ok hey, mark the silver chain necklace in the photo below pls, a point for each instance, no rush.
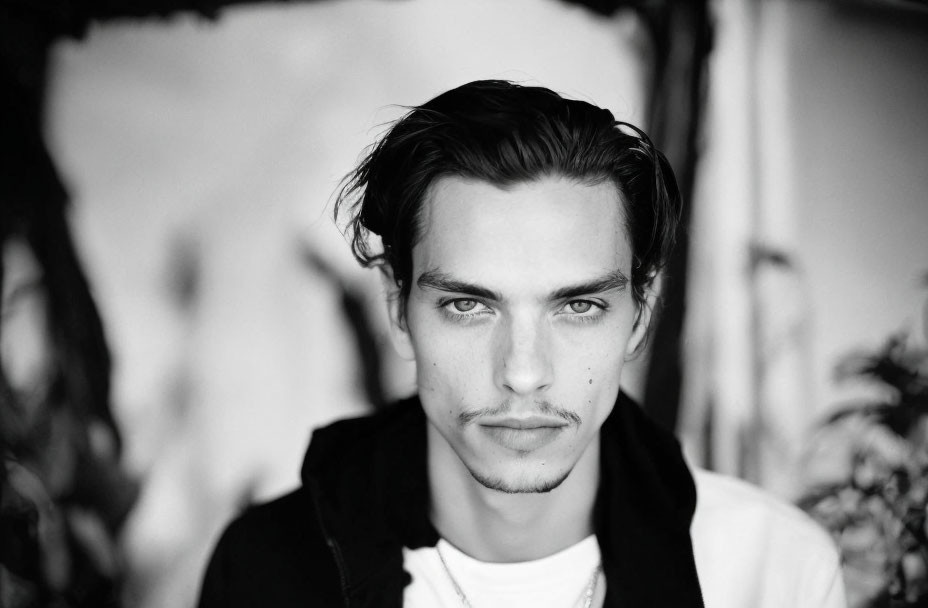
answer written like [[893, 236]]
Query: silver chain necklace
[[588, 592]]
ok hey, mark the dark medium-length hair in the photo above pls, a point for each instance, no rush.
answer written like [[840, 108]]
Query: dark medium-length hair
[[504, 133]]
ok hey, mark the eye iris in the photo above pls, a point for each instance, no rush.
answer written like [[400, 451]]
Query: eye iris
[[464, 305], [580, 307]]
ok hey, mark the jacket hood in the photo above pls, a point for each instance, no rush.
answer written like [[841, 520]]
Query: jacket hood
[[369, 482]]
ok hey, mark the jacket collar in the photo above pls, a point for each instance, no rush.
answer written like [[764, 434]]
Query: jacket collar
[[369, 481]]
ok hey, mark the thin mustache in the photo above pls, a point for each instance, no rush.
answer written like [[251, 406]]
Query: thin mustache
[[545, 407]]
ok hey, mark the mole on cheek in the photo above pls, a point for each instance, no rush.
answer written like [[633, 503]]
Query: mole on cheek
[[591, 381]]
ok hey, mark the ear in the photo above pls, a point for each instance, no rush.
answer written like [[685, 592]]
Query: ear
[[399, 331], [642, 323]]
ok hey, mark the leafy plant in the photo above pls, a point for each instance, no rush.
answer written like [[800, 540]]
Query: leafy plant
[[872, 490]]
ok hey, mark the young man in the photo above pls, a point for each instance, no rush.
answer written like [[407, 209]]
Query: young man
[[521, 234]]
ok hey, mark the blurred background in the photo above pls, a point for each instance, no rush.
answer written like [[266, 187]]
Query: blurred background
[[180, 311]]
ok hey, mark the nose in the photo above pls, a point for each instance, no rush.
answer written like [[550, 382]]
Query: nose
[[523, 364]]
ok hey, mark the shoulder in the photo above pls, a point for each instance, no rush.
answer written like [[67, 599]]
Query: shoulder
[[272, 554], [350, 442], [726, 506], [721, 496], [279, 524], [753, 545]]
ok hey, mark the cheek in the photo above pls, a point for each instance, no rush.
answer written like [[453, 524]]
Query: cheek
[[447, 362], [594, 364]]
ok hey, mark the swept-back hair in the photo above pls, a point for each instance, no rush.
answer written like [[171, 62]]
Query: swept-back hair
[[504, 133]]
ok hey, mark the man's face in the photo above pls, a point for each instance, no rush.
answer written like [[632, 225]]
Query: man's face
[[520, 317]]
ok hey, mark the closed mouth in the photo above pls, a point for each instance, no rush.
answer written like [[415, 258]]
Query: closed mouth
[[525, 423]]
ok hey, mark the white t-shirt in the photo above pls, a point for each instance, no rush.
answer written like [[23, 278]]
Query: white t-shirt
[[751, 549], [556, 581], [754, 550]]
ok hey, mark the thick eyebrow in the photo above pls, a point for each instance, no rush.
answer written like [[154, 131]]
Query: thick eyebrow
[[435, 279], [609, 282]]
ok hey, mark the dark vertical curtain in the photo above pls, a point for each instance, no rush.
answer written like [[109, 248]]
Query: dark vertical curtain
[[682, 36]]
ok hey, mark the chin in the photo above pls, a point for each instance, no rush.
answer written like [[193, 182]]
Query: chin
[[520, 484]]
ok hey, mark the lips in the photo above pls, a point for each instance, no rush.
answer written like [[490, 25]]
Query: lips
[[523, 434], [533, 421]]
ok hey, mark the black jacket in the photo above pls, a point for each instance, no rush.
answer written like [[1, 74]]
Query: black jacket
[[337, 541]]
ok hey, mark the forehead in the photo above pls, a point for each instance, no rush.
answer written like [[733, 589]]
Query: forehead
[[543, 232]]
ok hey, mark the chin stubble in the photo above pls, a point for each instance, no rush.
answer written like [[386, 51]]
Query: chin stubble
[[537, 486]]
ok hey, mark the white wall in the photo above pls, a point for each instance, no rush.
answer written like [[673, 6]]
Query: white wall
[[859, 143]]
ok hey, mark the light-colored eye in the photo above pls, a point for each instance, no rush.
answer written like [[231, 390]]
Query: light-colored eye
[[464, 305], [580, 306]]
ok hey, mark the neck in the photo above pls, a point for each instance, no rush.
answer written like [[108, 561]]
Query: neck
[[494, 526]]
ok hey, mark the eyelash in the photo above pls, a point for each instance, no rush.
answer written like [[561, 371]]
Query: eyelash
[[465, 317], [593, 315], [446, 307]]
